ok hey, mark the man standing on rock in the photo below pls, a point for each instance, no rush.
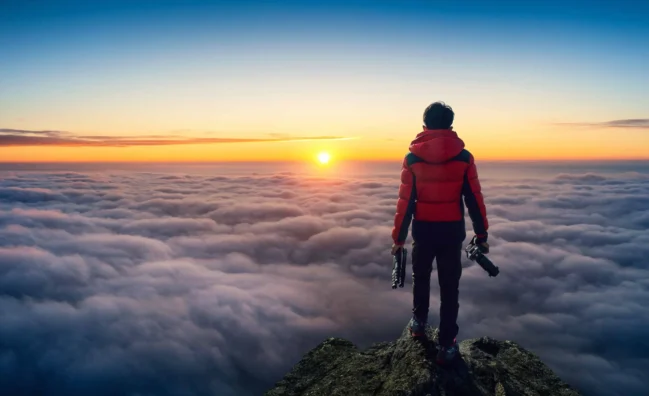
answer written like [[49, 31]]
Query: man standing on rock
[[436, 174]]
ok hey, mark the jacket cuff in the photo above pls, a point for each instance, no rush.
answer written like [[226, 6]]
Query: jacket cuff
[[481, 238]]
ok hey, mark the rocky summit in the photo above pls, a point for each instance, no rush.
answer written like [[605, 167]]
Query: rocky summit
[[407, 367]]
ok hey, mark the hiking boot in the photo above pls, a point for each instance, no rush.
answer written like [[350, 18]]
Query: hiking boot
[[447, 354], [417, 327]]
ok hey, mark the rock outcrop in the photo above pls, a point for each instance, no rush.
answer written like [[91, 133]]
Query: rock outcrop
[[407, 367]]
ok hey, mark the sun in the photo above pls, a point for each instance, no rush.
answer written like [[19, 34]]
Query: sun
[[324, 158]]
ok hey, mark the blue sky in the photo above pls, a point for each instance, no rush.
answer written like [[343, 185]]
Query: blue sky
[[135, 67]]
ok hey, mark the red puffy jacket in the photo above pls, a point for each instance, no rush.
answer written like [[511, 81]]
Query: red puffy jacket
[[435, 175]]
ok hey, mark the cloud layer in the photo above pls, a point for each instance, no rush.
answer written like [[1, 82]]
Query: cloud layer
[[187, 284]]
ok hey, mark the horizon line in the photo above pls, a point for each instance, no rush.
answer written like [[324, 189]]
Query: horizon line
[[604, 159]]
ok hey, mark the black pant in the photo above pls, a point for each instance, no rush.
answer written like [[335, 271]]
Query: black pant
[[448, 253]]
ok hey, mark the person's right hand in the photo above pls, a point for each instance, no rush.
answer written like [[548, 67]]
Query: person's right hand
[[481, 242]]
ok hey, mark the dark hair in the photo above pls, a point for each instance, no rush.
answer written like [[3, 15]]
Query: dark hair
[[438, 115]]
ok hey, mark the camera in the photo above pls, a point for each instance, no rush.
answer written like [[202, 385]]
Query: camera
[[474, 254], [399, 260]]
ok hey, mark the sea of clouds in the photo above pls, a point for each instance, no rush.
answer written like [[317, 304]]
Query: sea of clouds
[[141, 283]]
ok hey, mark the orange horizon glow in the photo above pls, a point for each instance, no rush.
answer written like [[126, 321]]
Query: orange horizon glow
[[90, 155], [540, 143]]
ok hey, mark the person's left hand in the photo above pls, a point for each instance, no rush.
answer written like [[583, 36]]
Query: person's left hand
[[396, 248]]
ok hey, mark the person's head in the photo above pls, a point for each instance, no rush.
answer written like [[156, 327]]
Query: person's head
[[438, 115]]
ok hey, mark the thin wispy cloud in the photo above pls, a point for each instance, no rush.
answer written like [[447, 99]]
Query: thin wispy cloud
[[23, 131], [20, 137], [637, 123]]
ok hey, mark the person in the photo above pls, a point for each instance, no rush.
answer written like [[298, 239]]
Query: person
[[435, 175]]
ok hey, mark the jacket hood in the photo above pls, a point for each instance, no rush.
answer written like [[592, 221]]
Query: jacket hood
[[436, 145]]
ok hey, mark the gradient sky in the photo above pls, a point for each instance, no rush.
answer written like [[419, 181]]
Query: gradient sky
[[260, 80]]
